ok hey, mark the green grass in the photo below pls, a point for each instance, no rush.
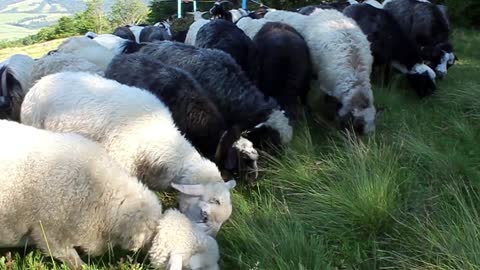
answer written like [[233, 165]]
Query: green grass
[[406, 198], [13, 32], [35, 51]]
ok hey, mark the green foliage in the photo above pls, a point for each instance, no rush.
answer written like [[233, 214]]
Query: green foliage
[[128, 12]]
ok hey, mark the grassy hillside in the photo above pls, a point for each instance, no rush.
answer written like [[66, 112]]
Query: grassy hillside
[[35, 51], [406, 198]]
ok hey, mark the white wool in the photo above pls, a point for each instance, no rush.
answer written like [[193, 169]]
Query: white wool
[[352, 2], [277, 120], [88, 49], [182, 245], [251, 26], [136, 129], [65, 189], [341, 57], [136, 30], [417, 69], [193, 30]]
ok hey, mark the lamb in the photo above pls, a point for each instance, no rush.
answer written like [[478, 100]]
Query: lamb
[[391, 46], [15, 74], [190, 247], [226, 36], [342, 61], [239, 101], [137, 130], [107, 205], [427, 24], [196, 116]]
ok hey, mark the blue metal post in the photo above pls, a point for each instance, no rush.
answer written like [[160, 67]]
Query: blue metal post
[[194, 5], [244, 4], [179, 8]]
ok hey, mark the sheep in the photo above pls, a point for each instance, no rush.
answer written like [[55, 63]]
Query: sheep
[[342, 61], [251, 26], [21, 72], [137, 130], [196, 116], [193, 30], [284, 64], [183, 244], [89, 50], [113, 43], [95, 201], [239, 101], [124, 32], [226, 36], [427, 24], [391, 46], [15, 77], [155, 33], [224, 10]]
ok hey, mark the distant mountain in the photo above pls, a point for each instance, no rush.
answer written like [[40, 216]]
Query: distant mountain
[[19, 18]]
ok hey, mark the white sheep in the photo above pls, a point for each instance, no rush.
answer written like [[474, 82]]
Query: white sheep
[[183, 244], [251, 26], [88, 49], [342, 60], [15, 79], [62, 191], [137, 129]]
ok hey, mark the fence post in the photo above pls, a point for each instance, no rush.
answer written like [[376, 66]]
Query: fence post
[[244, 4], [194, 5], [179, 8]]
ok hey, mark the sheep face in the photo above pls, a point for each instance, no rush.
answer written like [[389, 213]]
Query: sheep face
[[440, 58], [207, 204], [359, 113]]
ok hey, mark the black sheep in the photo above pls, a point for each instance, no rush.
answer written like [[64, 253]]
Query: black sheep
[[226, 36], [285, 69], [124, 32]]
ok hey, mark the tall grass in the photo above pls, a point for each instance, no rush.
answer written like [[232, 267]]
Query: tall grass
[[406, 198]]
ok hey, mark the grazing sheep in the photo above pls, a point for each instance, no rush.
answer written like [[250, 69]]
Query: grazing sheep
[[427, 24], [391, 46], [285, 70], [124, 32], [196, 116], [341, 59], [183, 244], [226, 36], [137, 130], [239, 101], [15, 79], [66, 189]]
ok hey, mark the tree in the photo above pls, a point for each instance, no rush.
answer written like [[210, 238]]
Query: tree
[[128, 12], [93, 18]]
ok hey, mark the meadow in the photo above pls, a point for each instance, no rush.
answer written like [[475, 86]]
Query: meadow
[[406, 198]]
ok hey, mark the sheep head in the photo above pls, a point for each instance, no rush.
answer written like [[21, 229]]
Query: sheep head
[[208, 204]]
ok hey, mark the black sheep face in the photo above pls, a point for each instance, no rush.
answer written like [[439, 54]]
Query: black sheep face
[[440, 58]]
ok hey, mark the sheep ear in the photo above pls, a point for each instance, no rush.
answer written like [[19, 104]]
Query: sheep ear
[[223, 152], [192, 190], [175, 262], [231, 184]]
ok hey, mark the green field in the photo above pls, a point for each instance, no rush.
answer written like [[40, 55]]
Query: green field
[[406, 198], [12, 32]]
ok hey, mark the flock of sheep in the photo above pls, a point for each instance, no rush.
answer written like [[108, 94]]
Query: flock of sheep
[[106, 120]]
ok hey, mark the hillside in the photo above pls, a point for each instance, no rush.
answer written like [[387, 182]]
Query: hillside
[[19, 18]]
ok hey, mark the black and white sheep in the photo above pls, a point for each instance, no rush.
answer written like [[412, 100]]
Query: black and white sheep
[[196, 116], [61, 191], [226, 36], [427, 24], [390, 45], [138, 131], [238, 99], [124, 32], [342, 62]]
